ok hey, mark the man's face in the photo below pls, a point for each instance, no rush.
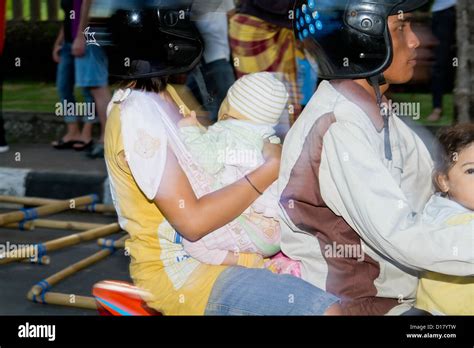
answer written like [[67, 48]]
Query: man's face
[[404, 43]]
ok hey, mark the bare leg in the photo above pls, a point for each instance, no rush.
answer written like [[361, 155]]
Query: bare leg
[[435, 115], [102, 97], [73, 133], [86, 134]]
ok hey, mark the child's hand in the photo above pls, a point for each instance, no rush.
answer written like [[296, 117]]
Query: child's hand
[[190, 121]]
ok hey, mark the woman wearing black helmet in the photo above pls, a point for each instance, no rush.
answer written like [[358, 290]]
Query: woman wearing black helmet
[[358, 232], [159, 190]]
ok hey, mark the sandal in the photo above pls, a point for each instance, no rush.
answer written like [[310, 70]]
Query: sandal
[[65, 145]]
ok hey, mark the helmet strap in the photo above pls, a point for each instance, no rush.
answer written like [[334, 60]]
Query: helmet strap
[[375, 81]]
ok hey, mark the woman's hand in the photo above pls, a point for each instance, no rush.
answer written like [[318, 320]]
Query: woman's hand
[[79, 46], [272, 157], [271, 152], [190, 121], [56, 49], [58, 44]]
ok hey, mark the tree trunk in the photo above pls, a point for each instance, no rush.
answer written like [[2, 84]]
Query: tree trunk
[[17, 10], [464, 92], [52, 10], [35, 10]]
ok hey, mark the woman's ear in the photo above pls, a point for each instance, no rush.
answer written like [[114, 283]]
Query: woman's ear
[[442, 182]]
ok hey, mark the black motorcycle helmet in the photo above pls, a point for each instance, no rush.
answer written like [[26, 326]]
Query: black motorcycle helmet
[[349, 39], [146, 38]]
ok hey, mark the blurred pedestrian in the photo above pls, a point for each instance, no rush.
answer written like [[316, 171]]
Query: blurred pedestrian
[[262, 40], [65, 82], [215, 75], [444, 28], [91, 70]]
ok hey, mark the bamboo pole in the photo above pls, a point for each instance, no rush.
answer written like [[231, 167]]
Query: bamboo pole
[[54, 224], [44, 260], [69, 300], [107, 243], [63, 242], [27, 226], [35, 201], [73, 269], [49, 209]]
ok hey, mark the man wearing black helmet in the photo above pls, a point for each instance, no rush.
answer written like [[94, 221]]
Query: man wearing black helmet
[[354, 177]]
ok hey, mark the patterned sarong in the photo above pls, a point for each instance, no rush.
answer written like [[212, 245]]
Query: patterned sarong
[[260, 46]]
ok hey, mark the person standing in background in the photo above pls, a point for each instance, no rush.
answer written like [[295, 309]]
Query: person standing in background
[[65, 81], [262, 40], [444, 28], [3, 143], [215, 75], [91, 71]]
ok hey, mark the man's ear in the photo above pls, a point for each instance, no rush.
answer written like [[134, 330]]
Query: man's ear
[[442, 182]]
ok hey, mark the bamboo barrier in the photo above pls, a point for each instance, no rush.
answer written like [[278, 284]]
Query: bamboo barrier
[[68, 300], [61, 243], [35, 201], [73, 269], [54, 224], [53, 208], [40, 293]]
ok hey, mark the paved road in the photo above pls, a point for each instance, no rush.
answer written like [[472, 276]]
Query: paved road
[[42, 157], [16, 279]]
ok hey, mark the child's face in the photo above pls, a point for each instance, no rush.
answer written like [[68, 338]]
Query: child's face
[[459, 183]]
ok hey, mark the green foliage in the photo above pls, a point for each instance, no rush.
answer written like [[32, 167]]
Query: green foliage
[[26, 10]]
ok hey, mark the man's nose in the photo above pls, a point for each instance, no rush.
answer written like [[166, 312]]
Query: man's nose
[[413, 40]]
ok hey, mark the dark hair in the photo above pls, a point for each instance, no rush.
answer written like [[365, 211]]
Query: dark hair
[[154, 84], [451, 141]]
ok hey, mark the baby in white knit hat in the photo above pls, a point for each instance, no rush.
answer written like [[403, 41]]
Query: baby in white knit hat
[[232, 148]]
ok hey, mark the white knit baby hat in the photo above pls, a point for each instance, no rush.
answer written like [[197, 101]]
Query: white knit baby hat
[[260, 97]]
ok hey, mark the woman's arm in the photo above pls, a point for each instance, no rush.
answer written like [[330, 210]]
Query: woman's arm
[[194, 218]]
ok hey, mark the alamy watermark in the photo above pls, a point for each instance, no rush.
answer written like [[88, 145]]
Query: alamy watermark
[[405, 109], [90, 37], [344, 251], [28, 330], [247, 158], [69, 109], [19, 251]]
